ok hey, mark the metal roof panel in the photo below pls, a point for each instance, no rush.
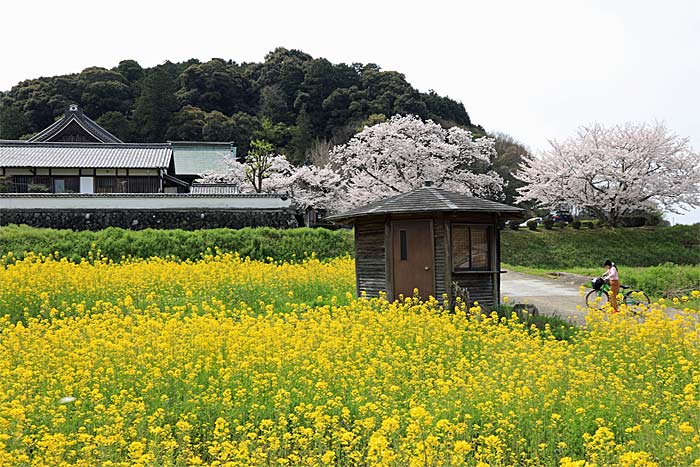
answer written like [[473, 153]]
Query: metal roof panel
[[201, 158]]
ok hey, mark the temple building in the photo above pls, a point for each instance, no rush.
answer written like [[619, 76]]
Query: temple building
[[77, 155]]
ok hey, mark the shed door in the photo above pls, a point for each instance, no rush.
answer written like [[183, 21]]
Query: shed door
[[412, 251]]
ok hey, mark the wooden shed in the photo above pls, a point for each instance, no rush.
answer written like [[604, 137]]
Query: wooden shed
[[428, 239]]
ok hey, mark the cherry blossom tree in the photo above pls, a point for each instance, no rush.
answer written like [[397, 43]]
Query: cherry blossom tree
[[316, 187], [401, 154], [262, 172], [383, 160], [263, 165], [234, 175], [310, 186], [614, 172]]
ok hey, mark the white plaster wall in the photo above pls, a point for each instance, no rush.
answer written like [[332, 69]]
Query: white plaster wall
[[146, 201]]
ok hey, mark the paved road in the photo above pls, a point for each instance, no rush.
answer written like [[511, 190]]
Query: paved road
[[556, 296]]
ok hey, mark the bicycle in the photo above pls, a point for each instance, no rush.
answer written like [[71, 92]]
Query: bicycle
[[600, 294]]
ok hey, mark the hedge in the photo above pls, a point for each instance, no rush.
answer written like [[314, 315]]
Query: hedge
[[558, 249], [115, 243]]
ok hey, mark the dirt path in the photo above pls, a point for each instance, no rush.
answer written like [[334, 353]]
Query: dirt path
[[555, 297]]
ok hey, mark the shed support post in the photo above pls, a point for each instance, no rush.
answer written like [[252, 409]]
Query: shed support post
[[448, 263], [357, 271], [496, 258], [389, 255]]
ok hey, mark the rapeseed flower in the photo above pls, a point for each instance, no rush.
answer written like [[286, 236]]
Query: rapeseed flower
[[232, 362]]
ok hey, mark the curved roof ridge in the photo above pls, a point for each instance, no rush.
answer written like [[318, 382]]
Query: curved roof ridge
[[98, 128], [48, 130], [74, 114]]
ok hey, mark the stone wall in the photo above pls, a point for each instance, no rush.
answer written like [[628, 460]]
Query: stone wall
[[75, 219]]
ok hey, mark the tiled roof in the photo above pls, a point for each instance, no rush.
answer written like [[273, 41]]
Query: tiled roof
[[215, 188], [84, 155], [139, 195], [197, 158], [74, 114], [426, 199]]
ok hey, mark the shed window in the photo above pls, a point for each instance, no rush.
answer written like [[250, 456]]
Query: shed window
[[404, 246], [470, 247]]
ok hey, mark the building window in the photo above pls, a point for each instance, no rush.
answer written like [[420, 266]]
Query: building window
[[41, 183], [21, 183], [66, 184], [121, 185], [59, 185], [105, 184], [470, 247], [143, 184]]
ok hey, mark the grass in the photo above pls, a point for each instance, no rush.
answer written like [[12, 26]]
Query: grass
[[633, 247], [555, 326]]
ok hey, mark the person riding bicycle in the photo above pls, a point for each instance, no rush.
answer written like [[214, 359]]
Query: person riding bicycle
[[613, 279]]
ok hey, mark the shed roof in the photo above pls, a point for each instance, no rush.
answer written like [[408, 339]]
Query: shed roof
[[427, 199], [84, 155], [197, 158], [75, 115]]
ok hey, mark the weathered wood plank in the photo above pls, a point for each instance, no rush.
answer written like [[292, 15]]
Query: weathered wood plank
[[370, 257], [480, 286]]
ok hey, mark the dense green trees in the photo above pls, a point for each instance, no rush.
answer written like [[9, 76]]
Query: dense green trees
[[509, 155], [155, 106], [13, 123], [290, 99], [102, 91], [217, 85], [117, 124]]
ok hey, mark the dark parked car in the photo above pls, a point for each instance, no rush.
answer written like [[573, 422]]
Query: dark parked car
[[560, 216]]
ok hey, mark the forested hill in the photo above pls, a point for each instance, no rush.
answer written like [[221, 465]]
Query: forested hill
[[290, 99]]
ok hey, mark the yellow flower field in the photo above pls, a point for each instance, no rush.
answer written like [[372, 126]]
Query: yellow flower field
[[48, 286], [177, 365]]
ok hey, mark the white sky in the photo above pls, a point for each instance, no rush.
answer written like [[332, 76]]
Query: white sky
[[533, 69]]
